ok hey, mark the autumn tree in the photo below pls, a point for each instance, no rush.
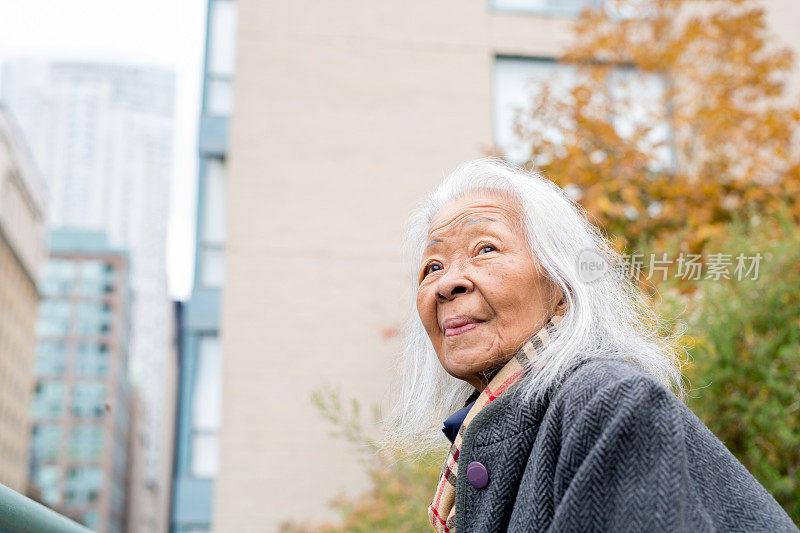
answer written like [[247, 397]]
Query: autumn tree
[[678, 120]]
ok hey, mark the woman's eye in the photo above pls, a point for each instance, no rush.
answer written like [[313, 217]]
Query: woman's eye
[[432, 267], [486, 248]]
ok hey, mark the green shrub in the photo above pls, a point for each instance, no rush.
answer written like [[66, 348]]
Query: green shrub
[[745, 376]]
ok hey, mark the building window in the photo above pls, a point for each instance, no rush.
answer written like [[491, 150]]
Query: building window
[[206, 408], [214, 202], [47, 478], [219, 97], [94, 318], [213, 266], [46, 443], [222, 38], [83, 485], [88, 399], [51, 358], [516, 81], [212, 258], [86, 442], [91, 360], [58, 277], [552, 8], [48, 399], [54, 318], [205, 459], [221, 57], [97, 278]]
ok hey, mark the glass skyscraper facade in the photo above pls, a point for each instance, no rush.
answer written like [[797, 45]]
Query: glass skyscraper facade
[[81, 406]]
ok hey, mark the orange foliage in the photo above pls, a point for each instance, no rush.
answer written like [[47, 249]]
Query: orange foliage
[[720, 142]]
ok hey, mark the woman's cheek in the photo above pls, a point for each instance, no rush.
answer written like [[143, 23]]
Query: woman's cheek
[[425, 309]]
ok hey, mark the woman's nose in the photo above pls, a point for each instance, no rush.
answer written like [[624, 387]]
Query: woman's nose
[[452, 283]]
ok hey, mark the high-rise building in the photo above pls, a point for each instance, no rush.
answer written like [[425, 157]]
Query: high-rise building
[[196, 440], [82, 404], [102, 137], [22, 244], [346, 115]]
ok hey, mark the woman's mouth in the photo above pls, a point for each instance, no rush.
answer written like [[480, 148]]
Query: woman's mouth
[[458, 325]]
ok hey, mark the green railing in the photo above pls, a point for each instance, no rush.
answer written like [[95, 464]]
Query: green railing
[[19, 514]]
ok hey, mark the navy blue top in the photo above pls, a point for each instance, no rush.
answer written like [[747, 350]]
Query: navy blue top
[[454, 421]]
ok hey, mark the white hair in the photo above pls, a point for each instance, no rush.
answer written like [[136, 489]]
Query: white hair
[[605, 318]]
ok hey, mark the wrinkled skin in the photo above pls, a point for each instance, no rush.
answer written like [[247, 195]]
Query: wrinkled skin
[[481, 292]]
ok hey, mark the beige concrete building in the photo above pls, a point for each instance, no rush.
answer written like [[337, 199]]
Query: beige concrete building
[[22, 239], [345, 115]]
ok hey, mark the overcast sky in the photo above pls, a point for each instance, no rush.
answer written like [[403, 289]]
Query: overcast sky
[[167, 33]]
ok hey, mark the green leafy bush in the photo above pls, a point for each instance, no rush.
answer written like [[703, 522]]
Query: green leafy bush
[[745, 376]]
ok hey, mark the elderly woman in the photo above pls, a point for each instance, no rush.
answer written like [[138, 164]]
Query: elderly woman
[[555, 385]]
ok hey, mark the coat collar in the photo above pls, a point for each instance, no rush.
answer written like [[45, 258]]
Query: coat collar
[[453, 423]]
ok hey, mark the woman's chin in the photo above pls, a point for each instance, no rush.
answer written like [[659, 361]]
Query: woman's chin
[[465, 365]]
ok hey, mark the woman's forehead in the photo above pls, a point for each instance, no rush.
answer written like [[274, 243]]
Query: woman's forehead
[[476, 206]]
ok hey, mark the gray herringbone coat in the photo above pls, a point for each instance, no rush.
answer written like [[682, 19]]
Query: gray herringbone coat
[[613, 450]]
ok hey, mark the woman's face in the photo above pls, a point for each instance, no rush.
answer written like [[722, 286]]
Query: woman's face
[[480, 295]]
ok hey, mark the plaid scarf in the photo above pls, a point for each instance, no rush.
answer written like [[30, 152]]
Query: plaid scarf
[[442, 510]]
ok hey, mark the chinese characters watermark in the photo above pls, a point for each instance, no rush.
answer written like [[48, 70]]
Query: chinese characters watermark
[[593, 265]]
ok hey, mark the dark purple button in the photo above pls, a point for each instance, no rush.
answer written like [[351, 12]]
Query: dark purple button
[[477, 475]]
